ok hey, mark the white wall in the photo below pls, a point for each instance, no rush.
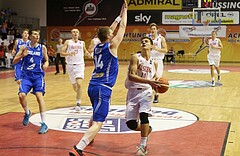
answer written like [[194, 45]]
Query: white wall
[[28, 8]]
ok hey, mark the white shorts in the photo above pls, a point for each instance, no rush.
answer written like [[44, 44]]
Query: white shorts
[[75, 71], [214, 60], [160, 67], [138, 101]]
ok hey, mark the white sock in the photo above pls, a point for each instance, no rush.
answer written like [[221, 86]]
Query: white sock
[[43, 116], [213, 78], [143, 141], [26, 110], [79, 101], [83, 143]]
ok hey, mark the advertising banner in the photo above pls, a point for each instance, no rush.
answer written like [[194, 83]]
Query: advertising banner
[[144, 17], [177, 18], [82, 12], [225, 5], [154, 5], [227, 17], [201, 31]]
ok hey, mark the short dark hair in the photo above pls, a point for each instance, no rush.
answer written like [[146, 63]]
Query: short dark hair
[[103, 33], [146, 37], [31, 31]]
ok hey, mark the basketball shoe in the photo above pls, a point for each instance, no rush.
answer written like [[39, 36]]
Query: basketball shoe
[[75, 152], [78, 107], [141, 151], [26, 118], [213, 83], [43, 128]]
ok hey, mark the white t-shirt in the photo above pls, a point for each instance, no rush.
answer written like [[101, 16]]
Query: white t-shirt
[[158, 42], [59, 48], [215, 42], [146, 69], [76, 47]]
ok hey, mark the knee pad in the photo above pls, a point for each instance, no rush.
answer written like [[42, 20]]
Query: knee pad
[[144, 118], [132, 124]]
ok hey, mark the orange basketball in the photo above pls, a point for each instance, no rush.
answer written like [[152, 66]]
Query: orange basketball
[[164, 85], [162, 31]]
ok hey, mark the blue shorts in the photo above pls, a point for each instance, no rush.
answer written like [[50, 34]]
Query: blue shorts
[[18, 70], [32, 81], [100, 99]]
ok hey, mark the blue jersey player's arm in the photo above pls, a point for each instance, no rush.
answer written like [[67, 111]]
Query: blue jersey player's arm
[[14, 50], [117, 39], [22, 53], [45, 55]]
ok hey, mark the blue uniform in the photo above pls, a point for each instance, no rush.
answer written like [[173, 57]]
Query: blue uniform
[[18, 66], [103, 79], [32, 72]]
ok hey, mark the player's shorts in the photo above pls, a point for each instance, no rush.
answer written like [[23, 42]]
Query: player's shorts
[[138, 101], [100, 98], [18, 70], [75, 71], [160, 67], [214, 60], [32, 81]]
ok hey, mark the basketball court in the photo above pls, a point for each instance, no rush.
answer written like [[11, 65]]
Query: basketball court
[[188, 121], [191, 119]]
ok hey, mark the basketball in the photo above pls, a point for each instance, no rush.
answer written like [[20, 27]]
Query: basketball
[[164, 85], [162, 31], [206, 40]]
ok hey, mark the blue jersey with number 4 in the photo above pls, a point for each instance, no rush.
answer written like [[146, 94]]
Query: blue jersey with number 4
[[106, 66], [33, 61]]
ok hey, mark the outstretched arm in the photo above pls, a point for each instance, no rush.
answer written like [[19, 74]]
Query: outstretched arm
[[120, 33], [116, 21]]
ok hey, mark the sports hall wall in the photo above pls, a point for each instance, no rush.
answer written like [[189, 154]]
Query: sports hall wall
[[87, 16]]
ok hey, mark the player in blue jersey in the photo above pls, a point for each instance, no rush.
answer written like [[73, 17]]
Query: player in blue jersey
[[18, 43], [34, 61], [103, 78]]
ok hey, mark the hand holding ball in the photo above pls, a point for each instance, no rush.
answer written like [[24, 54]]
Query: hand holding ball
[[164, 85]]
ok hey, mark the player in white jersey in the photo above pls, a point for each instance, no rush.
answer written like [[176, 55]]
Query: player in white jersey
[[158, 51], [214, 55], [74, 50], [140, 84]]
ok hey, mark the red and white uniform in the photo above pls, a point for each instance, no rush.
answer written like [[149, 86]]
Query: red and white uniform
[[158, 56], [139, 96], [75, 64], [214, 54]]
